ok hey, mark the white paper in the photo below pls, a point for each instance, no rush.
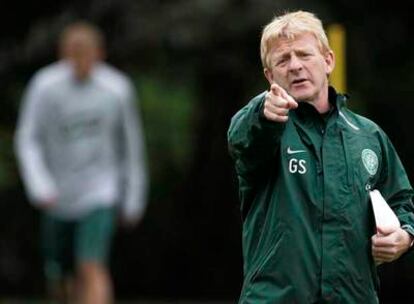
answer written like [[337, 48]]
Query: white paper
[[385, 218]]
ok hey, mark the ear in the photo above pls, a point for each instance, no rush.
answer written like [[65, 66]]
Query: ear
[[329, 61], [269, 75]]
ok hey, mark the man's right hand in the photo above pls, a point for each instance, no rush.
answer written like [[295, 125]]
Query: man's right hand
[[278, 103], [47, 203]]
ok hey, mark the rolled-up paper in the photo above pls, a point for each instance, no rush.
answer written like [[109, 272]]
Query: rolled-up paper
[[385, 218]]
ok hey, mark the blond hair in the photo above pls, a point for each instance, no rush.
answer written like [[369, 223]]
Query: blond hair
[[289, 26]]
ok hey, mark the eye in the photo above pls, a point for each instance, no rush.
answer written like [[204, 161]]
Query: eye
[[305, 55], [281, 61]]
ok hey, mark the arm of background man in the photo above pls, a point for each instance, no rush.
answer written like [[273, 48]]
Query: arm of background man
[[135, 199], [38, 181], [395, 187]]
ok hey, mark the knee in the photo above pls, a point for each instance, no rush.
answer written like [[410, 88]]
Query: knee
[[91, 270]]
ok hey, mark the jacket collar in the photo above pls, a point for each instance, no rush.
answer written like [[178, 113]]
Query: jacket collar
[[337, 101]]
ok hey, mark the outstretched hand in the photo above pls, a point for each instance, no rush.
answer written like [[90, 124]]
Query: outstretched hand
[[278, 103]]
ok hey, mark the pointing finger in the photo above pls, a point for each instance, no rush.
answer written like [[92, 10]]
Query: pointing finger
[[277, 100], [279, 91], [276, 89], [292, 104]]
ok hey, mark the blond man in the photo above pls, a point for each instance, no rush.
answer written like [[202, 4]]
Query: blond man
[[305, 165]]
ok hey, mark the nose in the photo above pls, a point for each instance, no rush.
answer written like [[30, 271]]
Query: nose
[[294, 63]]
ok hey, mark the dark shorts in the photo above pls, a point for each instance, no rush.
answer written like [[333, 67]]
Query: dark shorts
[[65, 244]]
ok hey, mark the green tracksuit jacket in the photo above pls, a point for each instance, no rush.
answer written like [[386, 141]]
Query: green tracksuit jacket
[[307, 218]]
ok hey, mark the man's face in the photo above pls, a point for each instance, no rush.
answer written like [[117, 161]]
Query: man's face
[[83, 53], [299, 67]]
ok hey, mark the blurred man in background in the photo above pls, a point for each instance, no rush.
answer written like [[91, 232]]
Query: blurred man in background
[[305, 165], [81, 156]]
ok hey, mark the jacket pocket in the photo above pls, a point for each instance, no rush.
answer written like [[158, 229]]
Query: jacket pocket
[[250, 282]]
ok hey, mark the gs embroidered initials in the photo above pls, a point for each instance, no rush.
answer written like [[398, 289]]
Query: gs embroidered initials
[[298, 166]]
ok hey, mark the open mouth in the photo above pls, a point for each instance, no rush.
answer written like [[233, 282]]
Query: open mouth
[[299, 81]]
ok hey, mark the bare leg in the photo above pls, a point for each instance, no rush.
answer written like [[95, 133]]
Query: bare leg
[[61, 291], [56, 292], [94, 283]]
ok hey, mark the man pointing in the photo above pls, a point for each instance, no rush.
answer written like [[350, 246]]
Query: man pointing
[[305, 165]]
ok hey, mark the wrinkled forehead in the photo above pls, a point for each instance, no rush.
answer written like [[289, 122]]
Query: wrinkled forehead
[[282, 42]]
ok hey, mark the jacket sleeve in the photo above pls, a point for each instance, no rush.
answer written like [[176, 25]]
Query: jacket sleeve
[[39, 183], [395, 186], [135, 168], [252, 139]]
